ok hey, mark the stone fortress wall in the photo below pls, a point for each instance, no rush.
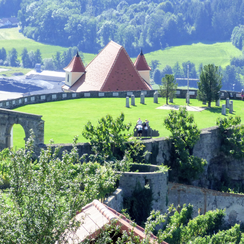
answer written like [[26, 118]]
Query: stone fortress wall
[[52, 97], [208, 147]]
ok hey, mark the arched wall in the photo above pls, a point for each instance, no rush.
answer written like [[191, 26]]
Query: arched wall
[[28, 121]]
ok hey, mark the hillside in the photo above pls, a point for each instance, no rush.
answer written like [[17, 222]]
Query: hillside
[[216, 53], [10, 37]]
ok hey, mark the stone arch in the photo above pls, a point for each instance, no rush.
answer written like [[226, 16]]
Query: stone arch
[[28, 121]]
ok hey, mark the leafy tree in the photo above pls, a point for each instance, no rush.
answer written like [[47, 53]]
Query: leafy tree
[[45, 194], [109, 137], [13, 58], [185, 134], [154, 65], [157, 77], [26, 62], [237, 37], [3, 54], [177, 71], [167, 70], [210, 84], [168, 87], [232, 136], [38, 57], [192, 69], [231, 79], [48, 64]]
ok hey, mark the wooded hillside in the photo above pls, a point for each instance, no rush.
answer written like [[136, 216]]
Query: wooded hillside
[[135, 24]]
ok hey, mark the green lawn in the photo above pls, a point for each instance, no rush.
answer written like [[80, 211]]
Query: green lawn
[[65, 119], [217, 53], [10, 37]]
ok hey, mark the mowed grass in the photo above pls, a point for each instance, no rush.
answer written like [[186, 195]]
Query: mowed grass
[[11, 38], [65, 119], [217, 53]]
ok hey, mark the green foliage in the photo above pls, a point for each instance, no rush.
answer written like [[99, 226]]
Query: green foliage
[[232, 136], [202, 225], [4, 168], [173, 230], [168, 87], [45, 194], [108, 136], [139, 205], [237, 37], [210, 84], [185, 134], [233, 235]]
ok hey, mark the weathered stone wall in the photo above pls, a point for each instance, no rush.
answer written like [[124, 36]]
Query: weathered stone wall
[[115, 201], [28, 121], [204, 200], [42, 98], [157, 181]]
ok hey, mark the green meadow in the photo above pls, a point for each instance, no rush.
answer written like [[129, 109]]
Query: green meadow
[[217, 53], [10, 37], [65, 119]]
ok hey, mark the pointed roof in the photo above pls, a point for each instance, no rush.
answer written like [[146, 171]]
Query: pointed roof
[[76, 64], [141, 63], [111, 70]]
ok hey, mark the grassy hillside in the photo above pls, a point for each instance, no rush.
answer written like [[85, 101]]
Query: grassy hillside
[[217, 53], [65, 119], [10, 37]]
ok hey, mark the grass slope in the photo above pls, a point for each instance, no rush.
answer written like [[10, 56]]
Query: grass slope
[[65, 119], [217, 53], [10, 37]]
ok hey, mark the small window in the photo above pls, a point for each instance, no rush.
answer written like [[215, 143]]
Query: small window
[[68, 78]]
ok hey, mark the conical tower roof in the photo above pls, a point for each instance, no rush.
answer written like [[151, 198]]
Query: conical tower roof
[[141, 63], [75, 65]]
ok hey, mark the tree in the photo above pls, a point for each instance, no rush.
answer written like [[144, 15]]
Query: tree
[[26, 62], [157, 76], [13, 58], [210, 84], [168, 87], [185, 167], [177, 71], [109, 135], [3, 54], [38, 57], [46, 193], [48, 64]]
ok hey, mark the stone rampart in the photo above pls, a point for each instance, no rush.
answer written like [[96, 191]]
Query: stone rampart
[[204, 200], [115, 200], [52, 97], [152, 176]]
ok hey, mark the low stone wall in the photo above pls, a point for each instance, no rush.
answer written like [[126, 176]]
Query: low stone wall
[[52, 97], [157, 181], [115, 201], [204, 200]]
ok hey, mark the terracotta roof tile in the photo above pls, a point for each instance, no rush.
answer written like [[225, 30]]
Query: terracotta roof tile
[[94, 216], [75, 65], [111, 70], [141, 63]]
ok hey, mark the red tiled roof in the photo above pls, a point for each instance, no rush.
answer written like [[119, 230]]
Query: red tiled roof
[[76, 65], [141, 63], [111, 70], [94, 216]]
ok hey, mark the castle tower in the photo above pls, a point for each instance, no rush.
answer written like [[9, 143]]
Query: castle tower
[[142, 67], [74, 70]]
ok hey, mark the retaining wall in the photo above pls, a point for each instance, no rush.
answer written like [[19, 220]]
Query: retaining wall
[[204, 200], [52, 97]]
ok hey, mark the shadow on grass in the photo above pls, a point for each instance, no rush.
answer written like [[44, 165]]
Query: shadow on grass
[[219, 110]]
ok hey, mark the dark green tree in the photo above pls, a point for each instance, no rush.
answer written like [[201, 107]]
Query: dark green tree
[[168, 87], [210, 84], [13, 58], [157, 77], [3, 54], [185, 167], [38, 56], [177, 71], [26, 62]]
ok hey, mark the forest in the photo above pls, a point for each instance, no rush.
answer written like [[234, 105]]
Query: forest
[[135, 24]]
